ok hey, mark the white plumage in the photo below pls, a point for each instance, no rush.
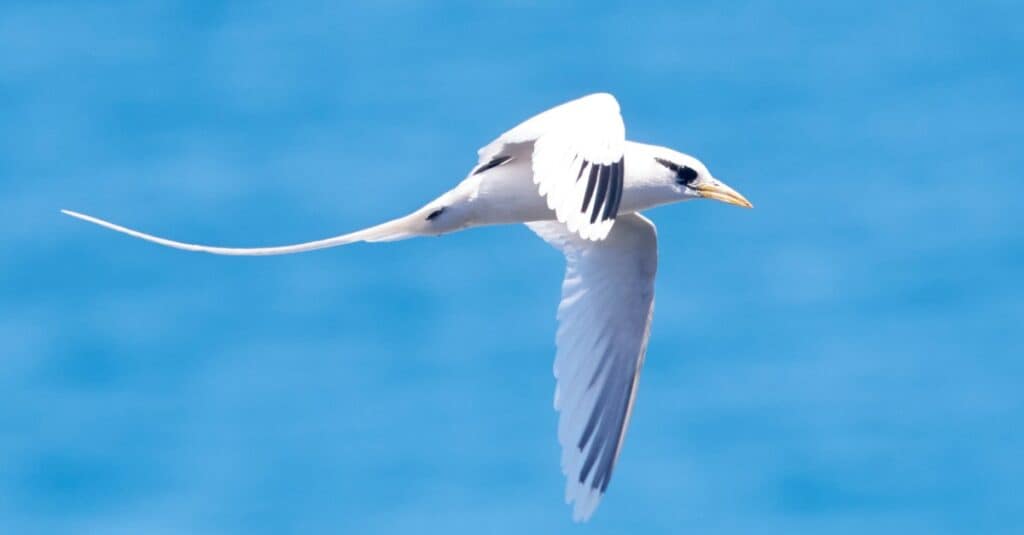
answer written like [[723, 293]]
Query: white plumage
[[573, 178]]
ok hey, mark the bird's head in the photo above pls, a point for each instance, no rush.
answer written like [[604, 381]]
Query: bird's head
[[691, 179]]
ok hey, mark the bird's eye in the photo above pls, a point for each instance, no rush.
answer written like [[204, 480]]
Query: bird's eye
[[686, 175]]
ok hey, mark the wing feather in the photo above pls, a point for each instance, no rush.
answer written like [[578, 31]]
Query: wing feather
[[581, 139], [604, 323]]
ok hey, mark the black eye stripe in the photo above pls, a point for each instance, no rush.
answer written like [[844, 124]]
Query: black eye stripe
[[684, 174], [671, 166]]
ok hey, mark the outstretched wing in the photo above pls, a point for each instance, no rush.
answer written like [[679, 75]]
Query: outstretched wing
[[604, 322], [576, 152]]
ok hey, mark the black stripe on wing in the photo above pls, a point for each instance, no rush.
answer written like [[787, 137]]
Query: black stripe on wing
[[495, 162], [599, 441], [590, 187], [604, 188]]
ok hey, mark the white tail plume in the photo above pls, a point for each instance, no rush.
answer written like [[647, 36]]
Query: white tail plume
[[397, 229]]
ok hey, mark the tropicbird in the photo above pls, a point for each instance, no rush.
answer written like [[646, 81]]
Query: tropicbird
[[572, 177]]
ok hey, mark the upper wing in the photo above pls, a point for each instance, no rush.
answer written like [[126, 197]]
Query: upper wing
[[604, 323], [577, 160]]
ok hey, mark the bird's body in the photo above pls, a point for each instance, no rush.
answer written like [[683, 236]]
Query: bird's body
[[572, 177], [506, 193]]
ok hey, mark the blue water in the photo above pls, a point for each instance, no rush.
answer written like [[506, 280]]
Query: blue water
[[845, 358]]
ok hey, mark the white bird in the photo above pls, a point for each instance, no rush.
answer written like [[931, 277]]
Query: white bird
[[572, 177]]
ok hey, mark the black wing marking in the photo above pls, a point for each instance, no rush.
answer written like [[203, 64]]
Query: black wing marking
[[604, 187], [495, 162], [433, 215], [603, 184], [591, 182], [603, 426], [611, 208]]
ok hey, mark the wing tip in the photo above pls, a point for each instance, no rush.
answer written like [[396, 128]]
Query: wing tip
[[584, 501], [584, 496]]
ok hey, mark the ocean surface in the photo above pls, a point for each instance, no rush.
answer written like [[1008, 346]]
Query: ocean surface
[[845, 358]]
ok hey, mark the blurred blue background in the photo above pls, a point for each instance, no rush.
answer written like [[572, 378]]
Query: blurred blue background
[[845, 358]]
